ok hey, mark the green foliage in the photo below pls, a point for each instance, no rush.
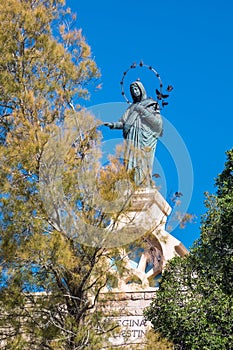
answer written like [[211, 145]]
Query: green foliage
[[194, 306], [154, 341]]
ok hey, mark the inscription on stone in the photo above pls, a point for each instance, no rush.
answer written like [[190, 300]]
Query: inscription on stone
[[133, 329]]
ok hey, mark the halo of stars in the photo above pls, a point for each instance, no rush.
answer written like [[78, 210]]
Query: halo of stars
[[159, 92]]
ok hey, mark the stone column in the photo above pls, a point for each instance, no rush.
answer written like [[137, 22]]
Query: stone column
[[148, 212]]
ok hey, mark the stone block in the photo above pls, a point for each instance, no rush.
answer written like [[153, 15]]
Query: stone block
[[137, 296], [149, 295]]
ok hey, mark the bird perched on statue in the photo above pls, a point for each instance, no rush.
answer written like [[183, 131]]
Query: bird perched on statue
[[160, 96], [170, 88]]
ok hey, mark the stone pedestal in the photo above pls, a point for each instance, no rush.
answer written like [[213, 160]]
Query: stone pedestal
[[144, 262]]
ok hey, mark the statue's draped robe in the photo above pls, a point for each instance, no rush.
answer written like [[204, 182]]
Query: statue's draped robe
[[141, 130]]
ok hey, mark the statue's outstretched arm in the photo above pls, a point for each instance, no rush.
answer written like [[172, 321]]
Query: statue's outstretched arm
[[120, 123], [117, 125]]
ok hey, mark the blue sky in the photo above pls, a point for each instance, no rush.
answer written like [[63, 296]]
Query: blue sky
[[190, 44]]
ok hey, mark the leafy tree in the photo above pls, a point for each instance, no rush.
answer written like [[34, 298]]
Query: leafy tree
[[154, 341], [50, 282], [194, 306]]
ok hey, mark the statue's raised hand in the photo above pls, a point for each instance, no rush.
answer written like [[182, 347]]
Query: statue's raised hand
[[110, 125]]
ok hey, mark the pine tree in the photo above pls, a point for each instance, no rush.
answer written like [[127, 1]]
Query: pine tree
[[50, 282]]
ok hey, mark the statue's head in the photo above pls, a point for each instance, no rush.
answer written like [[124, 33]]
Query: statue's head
[[137, 91]]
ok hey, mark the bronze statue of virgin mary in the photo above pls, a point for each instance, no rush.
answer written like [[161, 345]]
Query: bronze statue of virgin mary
[[142, 125]]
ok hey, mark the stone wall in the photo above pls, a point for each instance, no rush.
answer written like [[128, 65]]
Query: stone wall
[[129, 306]]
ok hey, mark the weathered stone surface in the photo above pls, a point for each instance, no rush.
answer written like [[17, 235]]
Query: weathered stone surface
[[137, 296], [148, 210], [149, 295]]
